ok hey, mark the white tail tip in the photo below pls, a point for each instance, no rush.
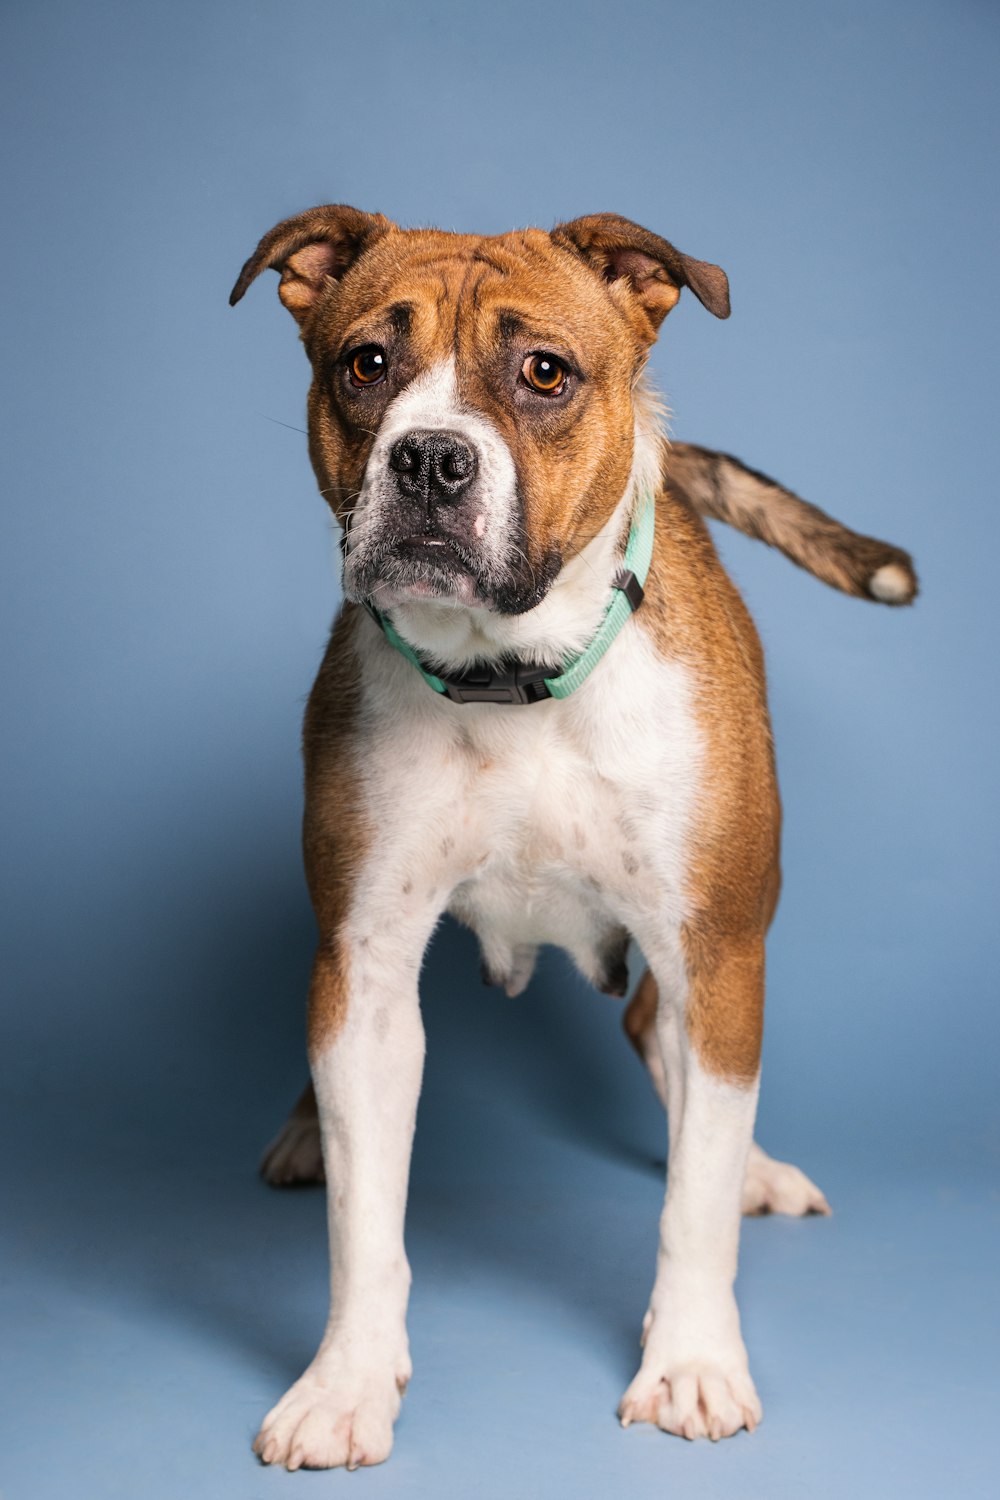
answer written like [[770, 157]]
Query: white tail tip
[[891, 584]]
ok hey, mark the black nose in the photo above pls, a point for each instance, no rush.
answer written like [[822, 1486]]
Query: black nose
[[433, 466]]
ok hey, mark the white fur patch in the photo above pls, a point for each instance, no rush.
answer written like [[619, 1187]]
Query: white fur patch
[[891, 584]]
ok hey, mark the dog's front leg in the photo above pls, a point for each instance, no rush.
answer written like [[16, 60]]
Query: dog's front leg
[[366, 1053], [694, 1379]]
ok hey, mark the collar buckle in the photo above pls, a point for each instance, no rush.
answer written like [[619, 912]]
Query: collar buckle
[[510, 682], [629, 585]]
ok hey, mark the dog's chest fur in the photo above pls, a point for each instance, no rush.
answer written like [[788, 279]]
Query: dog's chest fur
[[565, 823]]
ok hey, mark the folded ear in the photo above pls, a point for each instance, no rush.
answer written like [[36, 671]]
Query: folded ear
[[308, 250], [650, 267]]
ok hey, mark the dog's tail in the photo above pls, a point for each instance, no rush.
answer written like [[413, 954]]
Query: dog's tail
[[719, 486]]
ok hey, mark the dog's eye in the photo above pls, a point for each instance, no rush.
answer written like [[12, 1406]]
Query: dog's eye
[[544, 373], [368, 365]]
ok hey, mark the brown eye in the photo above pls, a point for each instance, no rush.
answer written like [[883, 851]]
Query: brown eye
[[368, 365], [544, 373]]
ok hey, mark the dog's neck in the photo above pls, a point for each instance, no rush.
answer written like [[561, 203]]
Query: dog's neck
[[454, 636]]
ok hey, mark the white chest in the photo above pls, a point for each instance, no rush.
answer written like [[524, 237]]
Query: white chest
[[561, 822]]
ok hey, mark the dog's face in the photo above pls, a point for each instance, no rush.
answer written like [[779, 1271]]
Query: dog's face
[[470, 417]]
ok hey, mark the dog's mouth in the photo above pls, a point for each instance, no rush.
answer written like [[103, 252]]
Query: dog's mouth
[[422, 565], [428, 564], [426, 544]]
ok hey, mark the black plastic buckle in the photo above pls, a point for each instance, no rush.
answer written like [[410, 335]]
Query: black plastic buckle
[[511, 683], [630, 586]]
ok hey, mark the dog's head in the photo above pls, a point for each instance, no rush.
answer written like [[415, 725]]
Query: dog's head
[[471, 418]]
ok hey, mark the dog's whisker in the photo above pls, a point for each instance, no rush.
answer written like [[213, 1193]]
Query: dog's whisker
[[278, 423]]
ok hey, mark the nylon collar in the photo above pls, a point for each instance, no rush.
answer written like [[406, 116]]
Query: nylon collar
[[517, 682]]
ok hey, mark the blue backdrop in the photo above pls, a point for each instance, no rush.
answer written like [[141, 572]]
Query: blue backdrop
[[169, 576]]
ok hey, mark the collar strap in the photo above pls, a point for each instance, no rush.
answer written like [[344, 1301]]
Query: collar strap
[[516, 681]]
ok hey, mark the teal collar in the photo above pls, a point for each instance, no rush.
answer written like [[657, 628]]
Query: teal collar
[[516, 682]]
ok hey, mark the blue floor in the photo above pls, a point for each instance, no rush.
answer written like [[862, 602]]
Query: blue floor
[[157, 1298]]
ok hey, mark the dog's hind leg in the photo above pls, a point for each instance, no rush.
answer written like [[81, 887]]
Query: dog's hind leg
[[296, 1154], [769, 1186]]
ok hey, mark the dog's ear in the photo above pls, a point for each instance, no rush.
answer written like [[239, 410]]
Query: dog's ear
[[648, 266], [309, 250]]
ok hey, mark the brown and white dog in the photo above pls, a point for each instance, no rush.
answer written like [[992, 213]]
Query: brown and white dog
[[479, 425]]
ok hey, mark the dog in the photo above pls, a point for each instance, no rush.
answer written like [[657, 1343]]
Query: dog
[[543, 710]]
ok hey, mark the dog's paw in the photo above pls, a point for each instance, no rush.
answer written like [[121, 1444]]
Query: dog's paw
[[693, 1400], [295, 1155], [776, 1187], [341, 1421]]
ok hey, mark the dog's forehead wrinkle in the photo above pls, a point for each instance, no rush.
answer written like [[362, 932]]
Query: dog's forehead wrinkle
[[465, 295], [400, 315], [463, 291]]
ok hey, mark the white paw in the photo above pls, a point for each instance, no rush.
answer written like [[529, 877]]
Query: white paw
[[776, 1187], [295, 1154], [328, 1422], [696, 1399]]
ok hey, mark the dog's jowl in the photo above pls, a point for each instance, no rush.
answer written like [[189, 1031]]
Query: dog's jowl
[[543, 710]]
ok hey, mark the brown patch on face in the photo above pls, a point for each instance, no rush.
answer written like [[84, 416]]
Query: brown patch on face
[[400, 298], [694, 614], [335, 829], [525, 294]]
